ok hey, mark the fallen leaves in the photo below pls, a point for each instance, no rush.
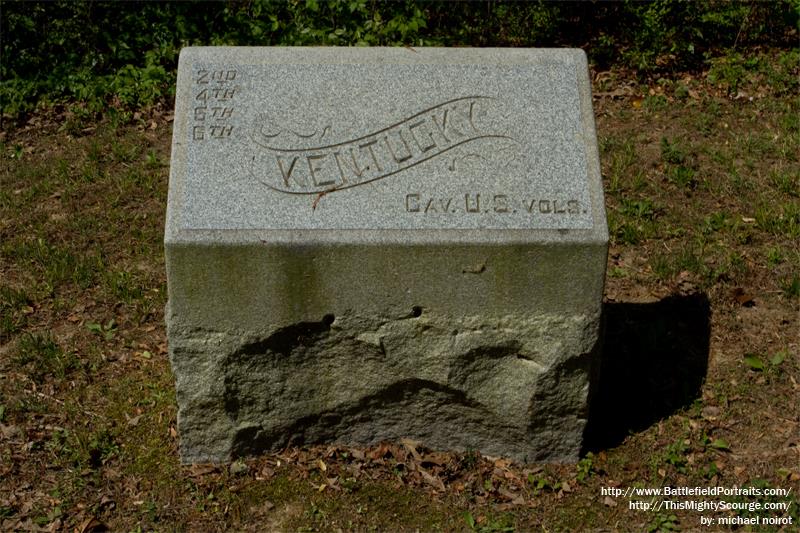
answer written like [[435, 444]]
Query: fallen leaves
[[483, 479], [742, 298], [90, 525]]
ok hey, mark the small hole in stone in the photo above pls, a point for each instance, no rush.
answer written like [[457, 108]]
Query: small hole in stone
[[416, 311], [328, 319]]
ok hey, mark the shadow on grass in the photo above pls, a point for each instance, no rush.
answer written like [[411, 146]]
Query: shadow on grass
[[653, 363]]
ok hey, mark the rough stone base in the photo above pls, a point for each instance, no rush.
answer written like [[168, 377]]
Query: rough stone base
[[513, 386]]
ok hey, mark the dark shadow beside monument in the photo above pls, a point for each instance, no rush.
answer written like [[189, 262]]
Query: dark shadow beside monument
[[654, 362]]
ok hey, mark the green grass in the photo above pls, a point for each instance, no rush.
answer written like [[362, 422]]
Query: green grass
[[683, 177], [57, 265], [83, 293], [791, 286], [40, 357], [622, 153], [782, 220], [633, 221], [13, 304], [786, 182], [673, 152]]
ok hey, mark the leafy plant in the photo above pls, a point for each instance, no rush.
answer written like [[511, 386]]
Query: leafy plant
[[107, 331], [122, 55], [675, 455], [585, 467], [542, 483], [663, 522], [756, 363]]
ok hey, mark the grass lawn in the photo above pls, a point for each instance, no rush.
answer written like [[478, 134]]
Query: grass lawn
[[701, 370]]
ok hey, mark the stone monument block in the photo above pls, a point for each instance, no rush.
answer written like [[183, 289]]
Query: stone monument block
[[367, 244]]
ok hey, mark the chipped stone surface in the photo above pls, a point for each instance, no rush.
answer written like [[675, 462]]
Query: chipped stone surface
[[511, 386], [449, 293]]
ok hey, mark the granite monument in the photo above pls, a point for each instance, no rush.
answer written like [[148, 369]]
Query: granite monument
[[367, 244]]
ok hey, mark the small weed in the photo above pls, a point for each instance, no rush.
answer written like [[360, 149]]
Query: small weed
[[672, 152], [675, 455], [716, 222], [681, 91], [758, 364], [730, 71], [102, 447], [683, 177], [778, 358], [754, 362], [724, 269], [639, 209], [743, 235], [124, 153], [690, 260], [756, 145], [16, 152], [626, 233], [657, 102], [786, 182], [739, 182], [118, 117], [58, 265], [94, 152], [606, 144], [470, 459], [349, 484], [123, 286], [704, 122], [716, 444], [710, 470], [624, 156], [663, 522], [59, 445], [470, 520], [108, 332], [43, 520], [73, 125], [639, 179], [790, 122], [633, 221], [618, 272], [542, 483], [775, 256], [500, 525], [315, 513], [662, 266], [783, 222], [44, 357], [791, 286], [153, 160], [150, 510], [585, 468], [92, 450], [13, 303]]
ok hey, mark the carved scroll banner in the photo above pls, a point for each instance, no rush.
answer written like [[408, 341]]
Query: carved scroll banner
[[296, 162]]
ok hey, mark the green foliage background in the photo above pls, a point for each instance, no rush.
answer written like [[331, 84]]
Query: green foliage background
[[124, 54]]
